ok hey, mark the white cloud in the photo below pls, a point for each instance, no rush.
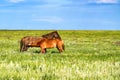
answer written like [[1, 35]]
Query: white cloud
[[105, 1], [51, 19], [16, 1]]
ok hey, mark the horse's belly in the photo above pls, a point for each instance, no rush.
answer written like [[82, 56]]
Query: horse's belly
[[33, 45], [51, 46]]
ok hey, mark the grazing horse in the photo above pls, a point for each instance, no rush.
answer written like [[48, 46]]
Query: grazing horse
[[45, 43], [26, 40]]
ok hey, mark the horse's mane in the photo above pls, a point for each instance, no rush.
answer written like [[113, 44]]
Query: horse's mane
[[52, 35]]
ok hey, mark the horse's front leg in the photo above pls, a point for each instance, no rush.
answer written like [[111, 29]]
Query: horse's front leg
[[43, 50], [59, 49]]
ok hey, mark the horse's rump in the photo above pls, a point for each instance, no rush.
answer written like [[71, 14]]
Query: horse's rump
[[25, 41]]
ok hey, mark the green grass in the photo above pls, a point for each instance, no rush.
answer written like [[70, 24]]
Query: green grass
[[89, 55]]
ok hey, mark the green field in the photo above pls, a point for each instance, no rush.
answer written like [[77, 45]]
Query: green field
[[88, 55]]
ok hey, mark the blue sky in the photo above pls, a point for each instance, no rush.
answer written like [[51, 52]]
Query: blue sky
[[60, 14]]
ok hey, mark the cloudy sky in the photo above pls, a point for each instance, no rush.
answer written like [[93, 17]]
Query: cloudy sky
[[60, 14]]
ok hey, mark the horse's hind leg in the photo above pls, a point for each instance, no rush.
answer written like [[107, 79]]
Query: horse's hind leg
[[25, 48], [45, 50]]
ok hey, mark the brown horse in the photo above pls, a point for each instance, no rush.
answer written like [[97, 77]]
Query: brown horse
[[52, 35], [24, 43], [45, 43], [26, 40]]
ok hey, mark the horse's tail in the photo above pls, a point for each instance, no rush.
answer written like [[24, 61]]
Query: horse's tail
[[21, 45]]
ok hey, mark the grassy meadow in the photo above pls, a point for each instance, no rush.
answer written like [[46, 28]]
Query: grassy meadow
[[88, 55]]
